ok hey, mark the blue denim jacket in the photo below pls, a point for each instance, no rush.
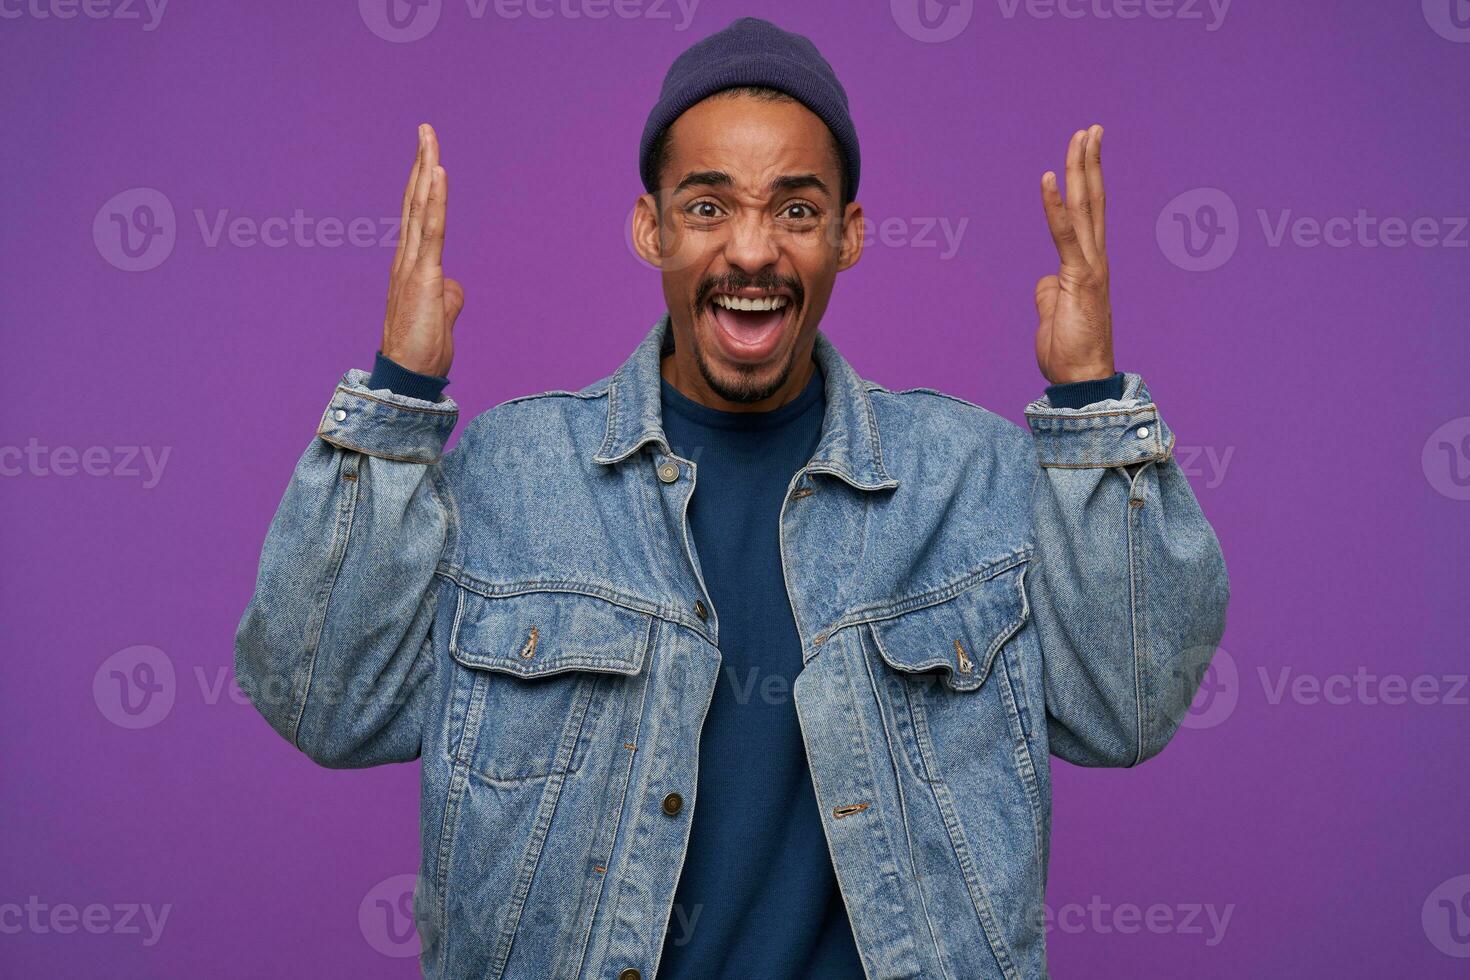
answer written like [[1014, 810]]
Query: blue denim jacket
[[526, 616]]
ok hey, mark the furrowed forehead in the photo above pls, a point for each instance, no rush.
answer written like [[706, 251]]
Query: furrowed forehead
[[750, 145]]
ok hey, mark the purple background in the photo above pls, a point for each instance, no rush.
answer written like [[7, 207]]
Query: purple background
[[1315, 375]]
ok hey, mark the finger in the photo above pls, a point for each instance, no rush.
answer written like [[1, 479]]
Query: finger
[[1095, 195], [431, 251], [413, 179], [421, 196], [1078, 207], [1063, 232]]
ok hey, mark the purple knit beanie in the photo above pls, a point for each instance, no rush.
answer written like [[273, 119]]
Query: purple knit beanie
[[752, 51]]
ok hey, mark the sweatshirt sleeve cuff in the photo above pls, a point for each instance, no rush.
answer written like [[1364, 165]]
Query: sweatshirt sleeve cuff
[[388, 373], [1080, 394]]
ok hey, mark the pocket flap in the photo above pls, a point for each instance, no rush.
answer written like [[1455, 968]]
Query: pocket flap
[[960, 635], [531, 634]]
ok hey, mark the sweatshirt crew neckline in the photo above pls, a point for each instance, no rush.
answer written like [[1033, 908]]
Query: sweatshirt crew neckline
[[716, 418]]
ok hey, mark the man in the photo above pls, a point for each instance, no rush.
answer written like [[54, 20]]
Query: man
[[794, 723]]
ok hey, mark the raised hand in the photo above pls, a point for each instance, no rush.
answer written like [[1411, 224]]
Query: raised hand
[[1074, 341], [418, 330]]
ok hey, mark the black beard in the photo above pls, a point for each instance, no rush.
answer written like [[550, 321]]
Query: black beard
[[746, 390]]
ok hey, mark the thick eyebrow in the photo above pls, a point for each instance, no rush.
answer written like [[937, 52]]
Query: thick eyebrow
[[718, 178]]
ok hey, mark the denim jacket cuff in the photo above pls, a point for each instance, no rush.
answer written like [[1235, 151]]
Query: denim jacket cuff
[[1111, 432], [385, 424]]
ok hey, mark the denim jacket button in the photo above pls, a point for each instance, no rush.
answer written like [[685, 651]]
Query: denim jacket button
[[340, 415], [668, 472], [1143, 432], [673, 803], [699, 609], [630, 974]]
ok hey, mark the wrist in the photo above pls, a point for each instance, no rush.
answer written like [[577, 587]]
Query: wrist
[[1088, 372], [400, 378]]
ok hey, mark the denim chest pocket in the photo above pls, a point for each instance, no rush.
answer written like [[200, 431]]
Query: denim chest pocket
[[537, 670], [954, 673]]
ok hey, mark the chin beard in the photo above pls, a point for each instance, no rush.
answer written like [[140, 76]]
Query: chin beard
[[747, 388]]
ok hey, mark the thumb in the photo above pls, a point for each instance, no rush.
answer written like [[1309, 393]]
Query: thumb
[[1046, 296], [453, 301]]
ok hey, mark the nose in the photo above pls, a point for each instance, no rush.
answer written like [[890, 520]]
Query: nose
[[752, 243]]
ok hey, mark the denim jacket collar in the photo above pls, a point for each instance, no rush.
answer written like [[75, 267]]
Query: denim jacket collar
[[849, 447]]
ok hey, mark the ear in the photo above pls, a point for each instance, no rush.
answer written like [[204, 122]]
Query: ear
[[645, 231], [851, 247]]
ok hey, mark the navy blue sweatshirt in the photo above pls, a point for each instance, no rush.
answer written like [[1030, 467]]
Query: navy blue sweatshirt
[[757, 896]]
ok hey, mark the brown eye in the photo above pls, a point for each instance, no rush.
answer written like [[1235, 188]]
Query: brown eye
[[704, 209], [801, 212]]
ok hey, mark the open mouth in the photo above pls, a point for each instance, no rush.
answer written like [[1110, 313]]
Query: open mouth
[[749, 327]]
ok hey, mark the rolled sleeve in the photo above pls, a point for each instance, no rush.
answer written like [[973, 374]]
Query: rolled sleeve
[[1108, 433], [382, 423]]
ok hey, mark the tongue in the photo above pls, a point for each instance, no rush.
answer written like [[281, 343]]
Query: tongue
[[748, 326]]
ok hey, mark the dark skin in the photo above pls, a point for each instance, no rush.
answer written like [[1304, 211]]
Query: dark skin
[[751, 192], [751, 201]]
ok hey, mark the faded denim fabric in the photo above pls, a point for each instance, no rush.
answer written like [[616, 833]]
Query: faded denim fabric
[[526, 616]]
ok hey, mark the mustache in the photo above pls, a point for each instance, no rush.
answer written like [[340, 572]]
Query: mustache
[[733, 281]]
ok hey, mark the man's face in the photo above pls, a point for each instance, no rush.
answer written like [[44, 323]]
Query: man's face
[[751, 216]]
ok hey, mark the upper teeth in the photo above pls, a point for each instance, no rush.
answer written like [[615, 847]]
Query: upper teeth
[[743, 303]]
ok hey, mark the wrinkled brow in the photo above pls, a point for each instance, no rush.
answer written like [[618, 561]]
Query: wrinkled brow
[[718, 178]]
